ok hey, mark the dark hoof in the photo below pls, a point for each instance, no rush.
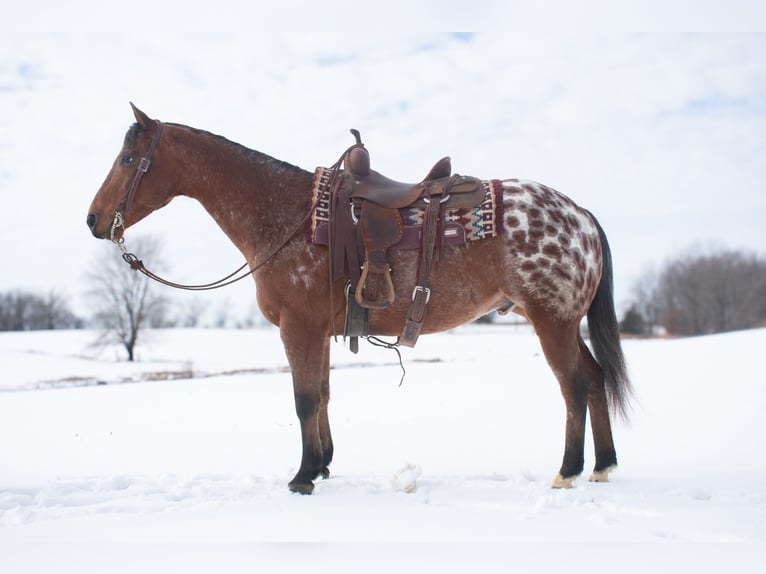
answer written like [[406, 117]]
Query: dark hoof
[[325, 473], [301, 487]]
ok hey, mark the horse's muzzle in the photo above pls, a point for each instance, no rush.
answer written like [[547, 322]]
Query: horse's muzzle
[[92, 221]]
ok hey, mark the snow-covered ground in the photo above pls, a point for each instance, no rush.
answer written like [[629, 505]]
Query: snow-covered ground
[[179, 462]]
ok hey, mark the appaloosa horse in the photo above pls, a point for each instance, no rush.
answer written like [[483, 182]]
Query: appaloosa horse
[[551, 264]]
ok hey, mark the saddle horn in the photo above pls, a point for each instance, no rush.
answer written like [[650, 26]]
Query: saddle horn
[[357, 160]]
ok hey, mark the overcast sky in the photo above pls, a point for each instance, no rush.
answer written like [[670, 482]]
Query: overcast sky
[[662, 135]]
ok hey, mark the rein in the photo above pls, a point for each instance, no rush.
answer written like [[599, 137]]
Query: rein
[[137, 264]]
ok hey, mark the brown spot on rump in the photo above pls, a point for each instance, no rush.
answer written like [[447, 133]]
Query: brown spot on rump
[[528, 266], [552, 250], [519, 237], [512, 221], [561, 272], [522, 245], [543, 201], [579, 259], [596, 243], [573, 222], [551, 230], [529, 188], [536, 235], [543, 262], [531, 249]]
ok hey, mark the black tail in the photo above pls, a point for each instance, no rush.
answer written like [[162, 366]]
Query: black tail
[[605, 335]]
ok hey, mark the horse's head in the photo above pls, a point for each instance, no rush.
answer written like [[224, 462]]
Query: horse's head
[[131, 191]]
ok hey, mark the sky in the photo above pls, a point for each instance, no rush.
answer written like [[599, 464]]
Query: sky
[[658, 126]]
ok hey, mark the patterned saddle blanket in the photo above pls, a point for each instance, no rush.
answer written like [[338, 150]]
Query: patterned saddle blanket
[[457, 225]]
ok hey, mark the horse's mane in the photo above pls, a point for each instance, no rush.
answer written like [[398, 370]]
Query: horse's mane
[[135, 129]]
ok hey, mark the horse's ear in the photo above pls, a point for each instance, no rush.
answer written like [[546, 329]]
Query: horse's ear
[[143, 120]]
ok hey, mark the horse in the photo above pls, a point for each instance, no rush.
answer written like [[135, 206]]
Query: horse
[[551, 264]]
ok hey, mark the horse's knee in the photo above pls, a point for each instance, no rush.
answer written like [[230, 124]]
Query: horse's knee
[[306, 404]]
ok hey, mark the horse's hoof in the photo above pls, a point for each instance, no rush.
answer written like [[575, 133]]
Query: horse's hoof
[[561, 482], [602, 475], [325, 473], [301, 487]]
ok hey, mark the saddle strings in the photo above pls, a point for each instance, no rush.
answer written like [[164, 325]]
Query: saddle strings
[[377, 342]]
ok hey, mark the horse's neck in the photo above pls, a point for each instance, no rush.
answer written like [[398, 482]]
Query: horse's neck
[[255, 199]]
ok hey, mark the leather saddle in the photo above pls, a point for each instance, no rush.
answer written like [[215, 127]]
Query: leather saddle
[[367, 222]]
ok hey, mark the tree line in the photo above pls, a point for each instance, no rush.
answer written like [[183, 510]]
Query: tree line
[[700, 292], [30, 311]]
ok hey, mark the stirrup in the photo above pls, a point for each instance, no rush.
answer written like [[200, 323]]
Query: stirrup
[[375, 290]]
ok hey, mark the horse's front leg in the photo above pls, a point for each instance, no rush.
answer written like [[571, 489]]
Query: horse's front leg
[[308, 352]]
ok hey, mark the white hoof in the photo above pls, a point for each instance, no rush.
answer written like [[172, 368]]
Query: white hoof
[[561, 482], [602, 475]]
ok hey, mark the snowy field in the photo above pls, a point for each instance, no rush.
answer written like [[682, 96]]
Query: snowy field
[[180, 462]]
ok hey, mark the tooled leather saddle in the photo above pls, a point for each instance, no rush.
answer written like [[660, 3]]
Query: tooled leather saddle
[[365, 221]]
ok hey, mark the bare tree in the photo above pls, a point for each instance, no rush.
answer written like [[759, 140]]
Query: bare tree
[[124, 301]]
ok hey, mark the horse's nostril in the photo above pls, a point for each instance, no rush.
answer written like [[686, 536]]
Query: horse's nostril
[[91, 220]]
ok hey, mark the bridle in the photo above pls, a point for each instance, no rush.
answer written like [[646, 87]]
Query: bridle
[[127, 200]]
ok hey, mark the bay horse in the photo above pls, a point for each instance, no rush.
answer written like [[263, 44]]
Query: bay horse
[[552, 265]]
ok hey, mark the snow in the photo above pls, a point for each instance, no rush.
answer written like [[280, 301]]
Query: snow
[[180, 461]]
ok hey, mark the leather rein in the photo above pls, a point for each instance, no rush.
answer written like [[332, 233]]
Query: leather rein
[[137, 264]]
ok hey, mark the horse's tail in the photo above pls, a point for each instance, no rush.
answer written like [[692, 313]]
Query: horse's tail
[[605, 335]]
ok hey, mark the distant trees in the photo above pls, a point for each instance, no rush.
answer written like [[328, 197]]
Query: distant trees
[[124, 301], [29, 311], [699, 293]]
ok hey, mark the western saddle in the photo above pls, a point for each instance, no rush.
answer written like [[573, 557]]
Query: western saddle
[[365, 222]]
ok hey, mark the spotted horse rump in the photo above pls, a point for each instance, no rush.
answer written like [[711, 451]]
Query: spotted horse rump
[[553, 249]]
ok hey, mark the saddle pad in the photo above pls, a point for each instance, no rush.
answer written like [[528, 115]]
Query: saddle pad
[[459, 225]]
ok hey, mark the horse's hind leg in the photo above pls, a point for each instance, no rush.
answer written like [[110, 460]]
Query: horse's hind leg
[[606, 457], [559, 342]]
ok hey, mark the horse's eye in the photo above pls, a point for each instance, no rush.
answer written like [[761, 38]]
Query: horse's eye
[[126, 159]]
